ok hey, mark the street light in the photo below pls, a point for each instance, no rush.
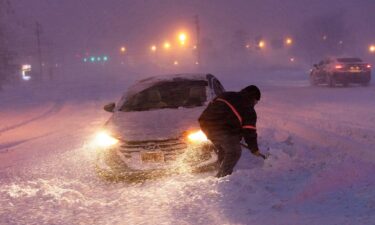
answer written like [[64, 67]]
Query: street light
[[123, 49], [182, 38], [371, 48], [153, 48], [288, 41], [167, 45], [261, 44]]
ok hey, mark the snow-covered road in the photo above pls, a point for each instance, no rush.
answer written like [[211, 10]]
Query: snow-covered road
[[320, 171]]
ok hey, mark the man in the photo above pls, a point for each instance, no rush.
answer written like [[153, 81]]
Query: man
[[229, 118]]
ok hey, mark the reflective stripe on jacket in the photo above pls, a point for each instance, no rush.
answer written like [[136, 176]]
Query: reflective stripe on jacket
[[231, 113]]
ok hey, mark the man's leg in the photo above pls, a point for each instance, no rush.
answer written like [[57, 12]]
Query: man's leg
[[219, 151], [232, 152]]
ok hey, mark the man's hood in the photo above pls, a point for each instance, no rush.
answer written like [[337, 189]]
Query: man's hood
[[154, 124]]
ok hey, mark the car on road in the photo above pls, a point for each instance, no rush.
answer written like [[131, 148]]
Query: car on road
[[333, 71], [154, 128]]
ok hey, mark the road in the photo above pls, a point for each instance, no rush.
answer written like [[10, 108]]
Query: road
[[320, 170]]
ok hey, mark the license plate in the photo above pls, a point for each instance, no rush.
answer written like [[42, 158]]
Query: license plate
[[152, 157]]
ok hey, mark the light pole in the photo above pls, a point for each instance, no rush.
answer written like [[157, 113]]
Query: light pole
[[197, 28]]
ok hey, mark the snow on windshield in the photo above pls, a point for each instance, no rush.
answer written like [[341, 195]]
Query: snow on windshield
[[170, 94]]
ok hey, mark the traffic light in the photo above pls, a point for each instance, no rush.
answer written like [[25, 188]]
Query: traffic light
[[94, 59]]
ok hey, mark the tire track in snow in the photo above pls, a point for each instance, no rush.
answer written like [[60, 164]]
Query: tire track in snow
[[50, 112]]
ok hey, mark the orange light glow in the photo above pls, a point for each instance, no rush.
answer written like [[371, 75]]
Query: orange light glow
[[167, 45], [261, 44], [182, 38], [288, 41]]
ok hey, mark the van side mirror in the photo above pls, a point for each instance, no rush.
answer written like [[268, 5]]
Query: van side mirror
[[110, 107]]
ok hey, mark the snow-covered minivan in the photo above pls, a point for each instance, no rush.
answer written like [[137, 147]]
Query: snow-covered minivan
[[154, 128]]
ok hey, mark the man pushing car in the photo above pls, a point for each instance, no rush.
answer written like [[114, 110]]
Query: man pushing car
[[226, 120]]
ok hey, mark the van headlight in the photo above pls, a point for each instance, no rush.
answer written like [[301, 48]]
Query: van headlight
[[197, 137], [105, 140]]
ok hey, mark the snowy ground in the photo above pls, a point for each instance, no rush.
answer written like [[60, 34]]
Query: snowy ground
[[320, 171]]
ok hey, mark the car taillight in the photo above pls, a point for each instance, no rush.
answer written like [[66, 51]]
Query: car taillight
[[368, 66], [338, 66]]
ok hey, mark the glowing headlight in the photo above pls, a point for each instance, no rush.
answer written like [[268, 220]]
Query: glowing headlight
[[198, 136], [103, 139]]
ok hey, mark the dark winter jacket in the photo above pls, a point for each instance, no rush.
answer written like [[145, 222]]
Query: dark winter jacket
[[231, 114]]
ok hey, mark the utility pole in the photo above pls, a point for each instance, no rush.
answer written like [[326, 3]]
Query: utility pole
[[38, 32], [5, 54], [197, 27]]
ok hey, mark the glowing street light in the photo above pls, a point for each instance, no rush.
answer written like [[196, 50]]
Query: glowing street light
[[288, 41], [167, 45], [261, 44], [182, 38], [175, 63], [292, 59], [153, 48], [123, 49], [371, 48]]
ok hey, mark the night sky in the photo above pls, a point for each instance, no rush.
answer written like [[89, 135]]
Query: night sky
[[82, 24]]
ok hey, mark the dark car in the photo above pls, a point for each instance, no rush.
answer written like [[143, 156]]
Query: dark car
[[333, 71], [154, 128]]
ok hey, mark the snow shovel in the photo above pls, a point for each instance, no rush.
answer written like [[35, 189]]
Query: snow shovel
[[259, 154]]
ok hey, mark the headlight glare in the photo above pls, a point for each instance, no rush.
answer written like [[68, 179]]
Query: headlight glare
[[197, 137], [103, 139]]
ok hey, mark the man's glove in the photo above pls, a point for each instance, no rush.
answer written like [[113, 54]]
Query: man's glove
[[257, 153]]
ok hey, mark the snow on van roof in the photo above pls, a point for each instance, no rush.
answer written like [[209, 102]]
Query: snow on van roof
[[143, 84]]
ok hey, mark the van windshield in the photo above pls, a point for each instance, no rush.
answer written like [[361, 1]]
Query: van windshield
[[168, 94]]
